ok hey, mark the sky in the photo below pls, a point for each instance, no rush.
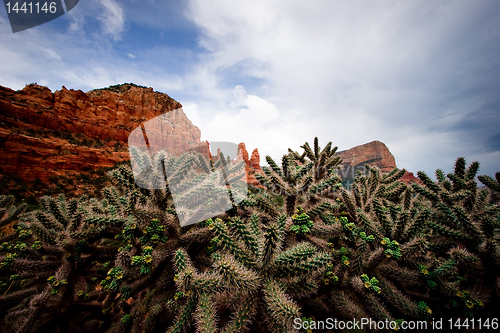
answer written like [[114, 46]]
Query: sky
[[421, 76]]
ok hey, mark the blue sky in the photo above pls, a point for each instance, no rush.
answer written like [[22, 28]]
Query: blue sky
[[421, 76]]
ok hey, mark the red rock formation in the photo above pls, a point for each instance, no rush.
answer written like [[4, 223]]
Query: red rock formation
[[255, 160], [38, 128], [242, 151], [172, 131], [101, 113], [44, 134], [374, 153], [408, 177], [252, 164]]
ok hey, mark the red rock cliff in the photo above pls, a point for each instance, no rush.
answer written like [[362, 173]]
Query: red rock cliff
[[43, 134], [65, 133], [374, 153]]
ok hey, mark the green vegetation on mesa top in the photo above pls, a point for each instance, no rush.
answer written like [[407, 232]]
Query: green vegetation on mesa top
[[300, 247], [121, 88]]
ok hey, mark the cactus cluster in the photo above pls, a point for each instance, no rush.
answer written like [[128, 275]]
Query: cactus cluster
[[299, 246]]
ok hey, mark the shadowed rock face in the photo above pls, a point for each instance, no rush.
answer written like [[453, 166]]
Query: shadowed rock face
[[43, 134], [374, 153]]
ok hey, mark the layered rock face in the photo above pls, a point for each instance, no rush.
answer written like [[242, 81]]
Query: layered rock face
[[43, 134], [374, 153]]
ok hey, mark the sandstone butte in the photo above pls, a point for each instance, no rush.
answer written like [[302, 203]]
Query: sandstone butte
[[41, 132], [374, 153]]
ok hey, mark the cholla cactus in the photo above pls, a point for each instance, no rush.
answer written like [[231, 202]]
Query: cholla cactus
[[253, 275], [414, 241], [148, 243], [466, 224], [493, 185], [8, 212], [290, 181], [302, 247], [324, 161], [198, 186], [301, 181], [57, 253], [378, 231], [302, 224]]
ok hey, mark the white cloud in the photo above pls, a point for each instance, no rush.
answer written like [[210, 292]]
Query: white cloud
[[51, 53], [112, 18], [249, 119], [191, 111], [350, 72], [131, 55], [253, 107]]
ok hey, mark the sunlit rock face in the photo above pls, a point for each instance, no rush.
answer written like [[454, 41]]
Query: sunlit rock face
[[44, 134], [374, 153]]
